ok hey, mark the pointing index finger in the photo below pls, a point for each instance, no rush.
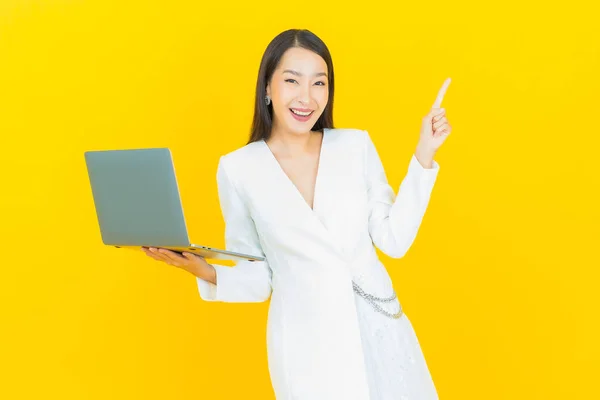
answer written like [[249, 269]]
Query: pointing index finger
[[441, 93]]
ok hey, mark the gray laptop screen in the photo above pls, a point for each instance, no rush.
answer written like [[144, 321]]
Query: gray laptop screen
[[136, 197]]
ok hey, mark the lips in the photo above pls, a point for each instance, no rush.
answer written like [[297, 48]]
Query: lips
[[302, 111], [301, 114]]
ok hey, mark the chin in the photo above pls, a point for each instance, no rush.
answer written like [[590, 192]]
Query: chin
[[302, 131], [301, 127]]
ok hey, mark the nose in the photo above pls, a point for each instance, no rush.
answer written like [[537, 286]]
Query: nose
[[304, 95]]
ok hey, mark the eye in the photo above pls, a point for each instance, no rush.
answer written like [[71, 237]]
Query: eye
[[288, 80], [321, 83]]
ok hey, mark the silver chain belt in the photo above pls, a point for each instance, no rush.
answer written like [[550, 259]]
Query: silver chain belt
[[372, 299]]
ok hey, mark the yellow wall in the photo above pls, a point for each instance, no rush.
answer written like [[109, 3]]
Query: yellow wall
[[501, 283]]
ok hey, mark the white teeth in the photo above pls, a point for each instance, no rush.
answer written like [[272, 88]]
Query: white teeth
[[300, 113]]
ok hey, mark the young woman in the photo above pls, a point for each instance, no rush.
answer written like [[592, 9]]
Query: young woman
[[315, 200]]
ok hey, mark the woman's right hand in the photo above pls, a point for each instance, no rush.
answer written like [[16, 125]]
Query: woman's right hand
[[192, 263]]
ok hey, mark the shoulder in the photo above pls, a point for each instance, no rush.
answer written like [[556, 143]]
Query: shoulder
[[241, 163], [242, 156], [347, 135], [351, 141]]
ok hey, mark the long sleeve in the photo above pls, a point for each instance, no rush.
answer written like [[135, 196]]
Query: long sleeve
[[395, 220], [247, 281]]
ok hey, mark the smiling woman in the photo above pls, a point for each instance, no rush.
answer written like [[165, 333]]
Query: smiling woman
[[300, 92], [315, 201], [295, 79]]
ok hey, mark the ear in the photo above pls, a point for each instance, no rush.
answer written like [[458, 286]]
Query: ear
[[268, 90]]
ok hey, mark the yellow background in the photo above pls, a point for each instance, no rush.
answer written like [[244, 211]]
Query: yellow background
[[501, 283]]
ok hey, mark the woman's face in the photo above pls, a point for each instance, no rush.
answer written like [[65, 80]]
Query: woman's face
[[299, 85]]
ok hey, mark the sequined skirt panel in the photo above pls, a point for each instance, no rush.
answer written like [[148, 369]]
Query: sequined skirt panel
[[396, 366]]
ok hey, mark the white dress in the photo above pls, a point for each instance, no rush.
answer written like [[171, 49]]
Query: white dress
[[324, 341]]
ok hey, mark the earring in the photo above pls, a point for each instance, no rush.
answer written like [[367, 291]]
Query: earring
[[267, 100]]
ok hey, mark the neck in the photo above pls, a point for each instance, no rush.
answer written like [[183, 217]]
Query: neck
[[290, 143]]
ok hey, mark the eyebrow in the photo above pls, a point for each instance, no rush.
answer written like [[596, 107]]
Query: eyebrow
[[291, 71]]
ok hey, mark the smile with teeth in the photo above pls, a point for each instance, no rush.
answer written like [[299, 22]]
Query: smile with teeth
[[301, 113]]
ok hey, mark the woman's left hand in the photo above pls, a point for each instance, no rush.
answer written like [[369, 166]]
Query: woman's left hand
[[435, 127]]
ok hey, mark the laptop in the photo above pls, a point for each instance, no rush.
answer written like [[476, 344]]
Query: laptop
[[138, 204]]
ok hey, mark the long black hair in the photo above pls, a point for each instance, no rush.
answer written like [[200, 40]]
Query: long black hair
[[263, 113]]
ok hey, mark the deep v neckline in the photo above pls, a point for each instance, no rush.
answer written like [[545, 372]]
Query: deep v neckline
[[317, 177]]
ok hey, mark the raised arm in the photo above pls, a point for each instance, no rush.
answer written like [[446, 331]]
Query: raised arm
[[395, 220], [248, 281]]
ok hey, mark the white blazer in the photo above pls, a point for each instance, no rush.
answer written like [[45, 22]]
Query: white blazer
[[312, 255]]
